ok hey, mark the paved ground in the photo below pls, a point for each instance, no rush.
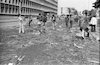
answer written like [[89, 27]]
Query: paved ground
[[55, 47]]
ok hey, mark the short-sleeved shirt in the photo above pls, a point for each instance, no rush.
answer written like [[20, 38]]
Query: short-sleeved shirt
[[93, 21]]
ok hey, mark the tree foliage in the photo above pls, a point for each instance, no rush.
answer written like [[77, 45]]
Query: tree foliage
[[97, 4]]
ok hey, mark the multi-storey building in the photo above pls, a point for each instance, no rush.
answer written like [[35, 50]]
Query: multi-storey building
[[33, 7], [9, 9]]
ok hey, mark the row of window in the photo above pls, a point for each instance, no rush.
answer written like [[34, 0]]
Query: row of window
[[23, 2], [11, 9]]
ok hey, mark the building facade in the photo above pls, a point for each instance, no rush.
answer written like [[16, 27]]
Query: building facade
[[9, 9], [64, 11], [33, 7], [67, 11]]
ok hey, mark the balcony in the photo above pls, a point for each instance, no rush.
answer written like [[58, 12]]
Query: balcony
[[44, 4], [51, 2], [37, 7]]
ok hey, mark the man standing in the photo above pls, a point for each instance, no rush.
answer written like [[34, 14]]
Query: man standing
[[21, 25], [66, 20], [53, 20], [30, 20], [93, 24]]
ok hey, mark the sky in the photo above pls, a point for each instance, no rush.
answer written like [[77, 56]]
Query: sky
[[80, 5]]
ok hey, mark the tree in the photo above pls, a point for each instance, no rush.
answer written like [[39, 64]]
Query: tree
[[86, 12], [74, 11], [93, 12], [97, 4]]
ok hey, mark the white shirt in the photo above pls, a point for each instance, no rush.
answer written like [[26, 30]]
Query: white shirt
[[20, 18], [93, 21], [10, 63], [38, 22]]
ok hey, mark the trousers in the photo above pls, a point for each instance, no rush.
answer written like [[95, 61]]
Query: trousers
[[21, 27]]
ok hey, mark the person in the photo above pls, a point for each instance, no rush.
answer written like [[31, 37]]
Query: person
[[21, 25], [39, 17], [53, 20], [66, 20], [48, 16], [30, 20], [93, 23], [70, 21], [39, 22], [79, 21], [84, 26], [44, 18]]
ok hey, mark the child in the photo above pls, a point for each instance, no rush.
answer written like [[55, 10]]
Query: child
[[86, 33]]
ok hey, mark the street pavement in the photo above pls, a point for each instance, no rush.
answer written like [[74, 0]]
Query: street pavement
[[57, 46]]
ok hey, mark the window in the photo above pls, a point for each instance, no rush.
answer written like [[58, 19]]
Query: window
[[13, 9], [9, 1], [6, 8], [26, 2], [2, 8], [5, 1], [17, 9], [1, 0], [10, 9], [16, 1], [12, 1]]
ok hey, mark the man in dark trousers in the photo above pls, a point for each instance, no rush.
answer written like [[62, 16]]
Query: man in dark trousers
[[30, 20], [53, 20], [66, 20], [70, 21]]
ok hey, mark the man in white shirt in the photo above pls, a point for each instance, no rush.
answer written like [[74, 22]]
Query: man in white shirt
[[21, 25], [93, 24]]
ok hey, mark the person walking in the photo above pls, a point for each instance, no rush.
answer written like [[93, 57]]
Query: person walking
[[21, 25]]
